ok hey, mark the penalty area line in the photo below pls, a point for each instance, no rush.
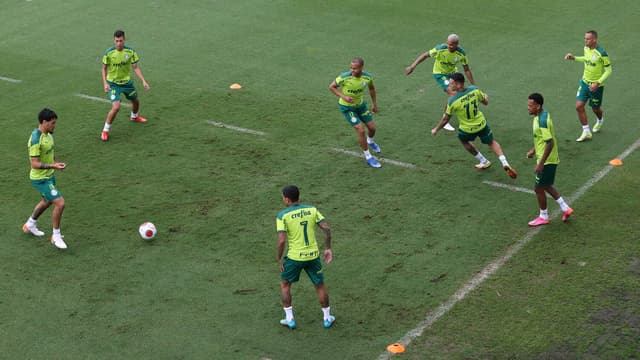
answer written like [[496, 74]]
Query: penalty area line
[[236, 128], [8, 79], [95, 98], [496, 264], [381, 159]]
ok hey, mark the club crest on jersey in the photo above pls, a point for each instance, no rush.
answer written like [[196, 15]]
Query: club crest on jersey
[[364, 83], [455, 59], [594, 57], [126, 57]]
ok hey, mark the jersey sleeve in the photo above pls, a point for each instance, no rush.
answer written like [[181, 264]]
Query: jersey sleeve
[[433, 52], [544, 127], [134, 57], [340, 80], [105, 59], [319, 217], [34, 150], [280, 225], [464, 60]]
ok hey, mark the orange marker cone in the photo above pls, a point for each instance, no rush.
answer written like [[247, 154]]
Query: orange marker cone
[[395, 348], [616, 162], [235, 86]]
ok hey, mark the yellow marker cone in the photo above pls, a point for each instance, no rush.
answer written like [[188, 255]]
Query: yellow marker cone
[[235, 86], [616, 162], [395, 348]]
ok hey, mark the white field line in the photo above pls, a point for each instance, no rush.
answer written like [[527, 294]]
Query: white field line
[[509, 187], [94, 98], [495, 265], [236, 128], [10, 80], [381, 159]]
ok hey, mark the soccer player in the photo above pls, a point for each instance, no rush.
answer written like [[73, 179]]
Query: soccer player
[[546, 152], [464, 104], [349, 87], [446, 57], [117, 63], [295, 226], [597, 68], [42, 175]]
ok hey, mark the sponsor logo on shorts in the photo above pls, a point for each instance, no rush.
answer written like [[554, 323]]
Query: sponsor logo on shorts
[[354, 120], [54, 192]]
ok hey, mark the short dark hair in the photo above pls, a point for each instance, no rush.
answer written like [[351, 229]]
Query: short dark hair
[[46, 115], [358, 60], [291, 192], [593, 32], [457, 77], [118, 33], [537, 98]]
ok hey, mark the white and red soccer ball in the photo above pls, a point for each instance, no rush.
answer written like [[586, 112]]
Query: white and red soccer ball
[[147, 230]]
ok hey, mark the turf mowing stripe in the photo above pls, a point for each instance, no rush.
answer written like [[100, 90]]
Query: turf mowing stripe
[[236, 128], [495, 265], [507, 186], [384, 160], [10, 79], [94, 98]]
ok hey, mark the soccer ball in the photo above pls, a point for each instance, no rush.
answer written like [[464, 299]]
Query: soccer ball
[[147, 230]]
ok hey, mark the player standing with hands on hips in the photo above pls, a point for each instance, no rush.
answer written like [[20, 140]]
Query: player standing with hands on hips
[[295, 226], [117, 63], [597, 69], [42, 175]]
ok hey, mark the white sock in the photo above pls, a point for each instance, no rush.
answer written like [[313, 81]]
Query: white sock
[[367, 154], [503, 160], [326, 312], [586, 128], [563, 205], [481, 158], [544, 214], [599, 121], [106, 127], [56, 232], [31, 222], [133, 115], [288, 312], [369, 140]]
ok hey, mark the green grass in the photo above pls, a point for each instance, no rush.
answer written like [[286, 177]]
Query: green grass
[[404, 239]]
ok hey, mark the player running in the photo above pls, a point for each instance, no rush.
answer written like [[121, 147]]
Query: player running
[[117, 63], [464, 104], [597, 68]]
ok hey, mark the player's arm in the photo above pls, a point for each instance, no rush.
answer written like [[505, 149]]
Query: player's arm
[[409, 69], [37, 164], [441, 124], [328, 254], [138, 71], [282, 240], [531, 152], [372, 93], [106, 86], [547, 150], [570, 56], [333, 87], [607, 72], [467, 71]]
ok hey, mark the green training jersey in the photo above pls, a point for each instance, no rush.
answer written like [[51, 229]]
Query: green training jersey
[[465, 105], [354, 86], [543, 132], [299, 222], [597, 66], [41, 146], [445, 62], [119, 64]]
